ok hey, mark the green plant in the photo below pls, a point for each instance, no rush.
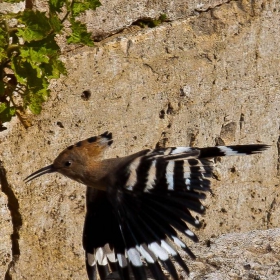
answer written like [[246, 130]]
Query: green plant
[[29, 53], [151, 23]]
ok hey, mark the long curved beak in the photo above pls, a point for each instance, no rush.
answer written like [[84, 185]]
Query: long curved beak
[[44, 170]]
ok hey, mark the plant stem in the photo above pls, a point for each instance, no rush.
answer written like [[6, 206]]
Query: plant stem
[[28, 4], [68, 11]]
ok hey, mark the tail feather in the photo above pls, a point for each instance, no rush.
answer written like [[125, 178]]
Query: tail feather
[[169, 266], [219, 151], [123, 266], [90, 267], [182, 263], [157, 271], [113, 266], [103, 271], [173, 252], [183, 246]]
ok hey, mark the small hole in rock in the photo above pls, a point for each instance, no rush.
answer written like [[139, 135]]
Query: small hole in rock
[[86, 95], [60, 124]]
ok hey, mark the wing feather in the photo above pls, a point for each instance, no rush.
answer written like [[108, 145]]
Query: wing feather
[[134, 225]]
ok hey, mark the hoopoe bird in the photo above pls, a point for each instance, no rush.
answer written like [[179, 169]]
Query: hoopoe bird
[[137, 204]]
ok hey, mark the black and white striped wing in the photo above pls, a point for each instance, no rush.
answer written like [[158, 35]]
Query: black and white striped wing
[[102, 239], [152, 199]]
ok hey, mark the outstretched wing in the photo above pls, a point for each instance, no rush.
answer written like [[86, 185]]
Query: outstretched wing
[[151, 199], [102, 240]]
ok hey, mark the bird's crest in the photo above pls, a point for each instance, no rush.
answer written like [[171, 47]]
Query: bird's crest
[[83, 151], [93, 146]]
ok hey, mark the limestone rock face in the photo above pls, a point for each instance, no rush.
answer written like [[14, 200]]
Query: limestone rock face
[[6, 231], [209, 75], [251, 255]]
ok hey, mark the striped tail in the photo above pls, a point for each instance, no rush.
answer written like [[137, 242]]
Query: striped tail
[[236, 150], [150, 201]]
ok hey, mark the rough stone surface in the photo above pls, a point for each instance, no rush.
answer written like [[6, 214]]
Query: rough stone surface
[[6, 230], [204, 78], [115, 15], [252, 255]]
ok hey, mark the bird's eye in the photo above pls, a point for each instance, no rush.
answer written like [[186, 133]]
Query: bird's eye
[[68, 163]]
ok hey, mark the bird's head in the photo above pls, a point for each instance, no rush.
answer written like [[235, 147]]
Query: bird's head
[[72, 162]]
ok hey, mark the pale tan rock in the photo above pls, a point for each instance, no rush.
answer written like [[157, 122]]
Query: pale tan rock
[[6, 231], [115, 15], [250, 255], [178, 84]]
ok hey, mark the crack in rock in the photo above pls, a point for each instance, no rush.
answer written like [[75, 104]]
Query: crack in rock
[[13, 206], [278, 152], [201, 10]]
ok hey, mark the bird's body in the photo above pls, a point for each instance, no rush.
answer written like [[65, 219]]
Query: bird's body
[[136, 204]]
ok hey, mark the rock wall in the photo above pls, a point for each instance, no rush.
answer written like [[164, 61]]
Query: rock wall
[[208, 75]]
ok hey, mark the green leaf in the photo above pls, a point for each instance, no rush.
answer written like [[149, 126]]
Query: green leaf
[[37, 63], [59, 67], [37, 25], [54, 69], [13, 1], [51, 67], [36, 100], [35, 107], [35, 94], [56, 5], [20, 69], [46, 46], [3, 54], [3, 106], [36, 60], [55, 23], [34, 56], [3, 43], [81, 6], [42, 56], [79, 34], [6, 112]]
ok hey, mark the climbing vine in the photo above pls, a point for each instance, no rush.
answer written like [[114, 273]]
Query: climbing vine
[[29, 53]]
